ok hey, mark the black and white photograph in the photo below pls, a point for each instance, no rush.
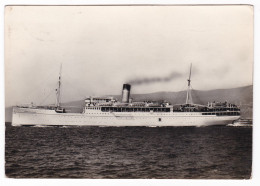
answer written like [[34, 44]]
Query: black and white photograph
[[129, 91]]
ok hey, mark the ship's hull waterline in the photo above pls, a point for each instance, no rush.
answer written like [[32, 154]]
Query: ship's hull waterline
[[26, 116]]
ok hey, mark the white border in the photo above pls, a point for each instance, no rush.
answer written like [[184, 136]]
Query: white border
[[256, 153]]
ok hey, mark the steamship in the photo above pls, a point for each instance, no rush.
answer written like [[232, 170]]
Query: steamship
[[107, 111]]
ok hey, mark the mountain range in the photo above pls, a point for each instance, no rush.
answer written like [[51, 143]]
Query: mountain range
[[242, 96]]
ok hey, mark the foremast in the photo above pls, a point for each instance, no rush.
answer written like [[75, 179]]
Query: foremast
[[58, 91]]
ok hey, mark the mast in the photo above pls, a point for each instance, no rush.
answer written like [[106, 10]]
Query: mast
[[58, 96], [188, 96]]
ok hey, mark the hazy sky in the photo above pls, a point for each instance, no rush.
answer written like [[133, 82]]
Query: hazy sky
[[102, 47]]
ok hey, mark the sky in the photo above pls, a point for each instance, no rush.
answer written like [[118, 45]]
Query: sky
[[102, 47]]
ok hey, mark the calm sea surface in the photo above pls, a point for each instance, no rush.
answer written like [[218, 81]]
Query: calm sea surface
[[128, 152]]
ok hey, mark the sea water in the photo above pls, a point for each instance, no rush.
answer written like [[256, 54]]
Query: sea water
[[216, 152]]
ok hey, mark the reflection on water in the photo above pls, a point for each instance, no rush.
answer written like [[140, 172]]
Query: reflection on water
[[128, 152]]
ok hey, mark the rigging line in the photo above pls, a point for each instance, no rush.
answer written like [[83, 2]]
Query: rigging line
[[78, 91], [46, 97], [178, 95], [196, 95], [40, 85], [182, 95]]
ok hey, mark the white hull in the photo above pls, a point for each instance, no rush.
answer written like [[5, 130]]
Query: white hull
[[27, 116]]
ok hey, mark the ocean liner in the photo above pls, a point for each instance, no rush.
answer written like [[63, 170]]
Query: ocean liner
[[107, 111]]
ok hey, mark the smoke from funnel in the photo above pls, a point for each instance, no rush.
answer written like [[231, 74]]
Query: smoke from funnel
[[140, 81]]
